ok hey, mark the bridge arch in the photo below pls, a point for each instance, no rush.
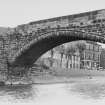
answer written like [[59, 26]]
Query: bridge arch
[[48, 40]]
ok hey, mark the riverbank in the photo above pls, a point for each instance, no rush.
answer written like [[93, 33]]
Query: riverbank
[[56, 80], [53, 80], [77, 72], [58, 75]]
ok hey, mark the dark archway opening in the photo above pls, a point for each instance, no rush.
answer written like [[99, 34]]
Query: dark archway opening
[[30, 55]]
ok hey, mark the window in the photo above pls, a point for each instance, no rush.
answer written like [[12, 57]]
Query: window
[[91, 47], [98, 57], [70, 65], [77, 65], [87, 47], [96, 48], [73, 65], [89, 57]]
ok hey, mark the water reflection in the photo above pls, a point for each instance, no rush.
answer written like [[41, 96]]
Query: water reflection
[[14, 93], [85, 89], [94, 90]]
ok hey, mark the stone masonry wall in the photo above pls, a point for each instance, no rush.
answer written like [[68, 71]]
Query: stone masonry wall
[[23, 35]]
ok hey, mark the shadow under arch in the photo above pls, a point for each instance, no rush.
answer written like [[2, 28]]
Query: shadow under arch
[[49, 40]]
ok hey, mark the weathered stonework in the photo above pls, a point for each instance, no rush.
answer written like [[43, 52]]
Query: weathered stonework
[[27, 42]]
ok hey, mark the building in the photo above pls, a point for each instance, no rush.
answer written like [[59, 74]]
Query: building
[[102, 59], [82, 55], [90, 57], [63, 60], [89, 54]]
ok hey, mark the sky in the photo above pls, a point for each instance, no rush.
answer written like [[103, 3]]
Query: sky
[[16, 12]]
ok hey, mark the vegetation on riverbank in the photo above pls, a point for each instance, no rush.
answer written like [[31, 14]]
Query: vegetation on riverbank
[[43, 74]]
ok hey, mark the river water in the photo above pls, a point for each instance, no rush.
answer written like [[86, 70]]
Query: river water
[[76, 92]]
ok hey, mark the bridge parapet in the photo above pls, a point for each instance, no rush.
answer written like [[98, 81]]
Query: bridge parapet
[[22, 41], [90, 24]]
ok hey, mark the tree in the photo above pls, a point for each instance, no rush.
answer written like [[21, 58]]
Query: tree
[[69, 53], [61, 51], [52, 53], [81, 47], [43, 66], [51, 58]]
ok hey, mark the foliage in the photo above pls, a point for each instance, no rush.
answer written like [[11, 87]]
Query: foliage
[[62, 52], [81, 47], [69, 53], [52, 53]]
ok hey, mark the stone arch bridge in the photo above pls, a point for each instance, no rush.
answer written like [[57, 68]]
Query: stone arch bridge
[[24, 44]]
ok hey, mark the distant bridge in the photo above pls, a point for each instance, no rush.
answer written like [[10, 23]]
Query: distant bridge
[[27, 42]]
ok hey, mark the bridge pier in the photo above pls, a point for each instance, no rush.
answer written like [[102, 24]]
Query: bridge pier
[[17, 71], [3, 69], [24, 44]]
